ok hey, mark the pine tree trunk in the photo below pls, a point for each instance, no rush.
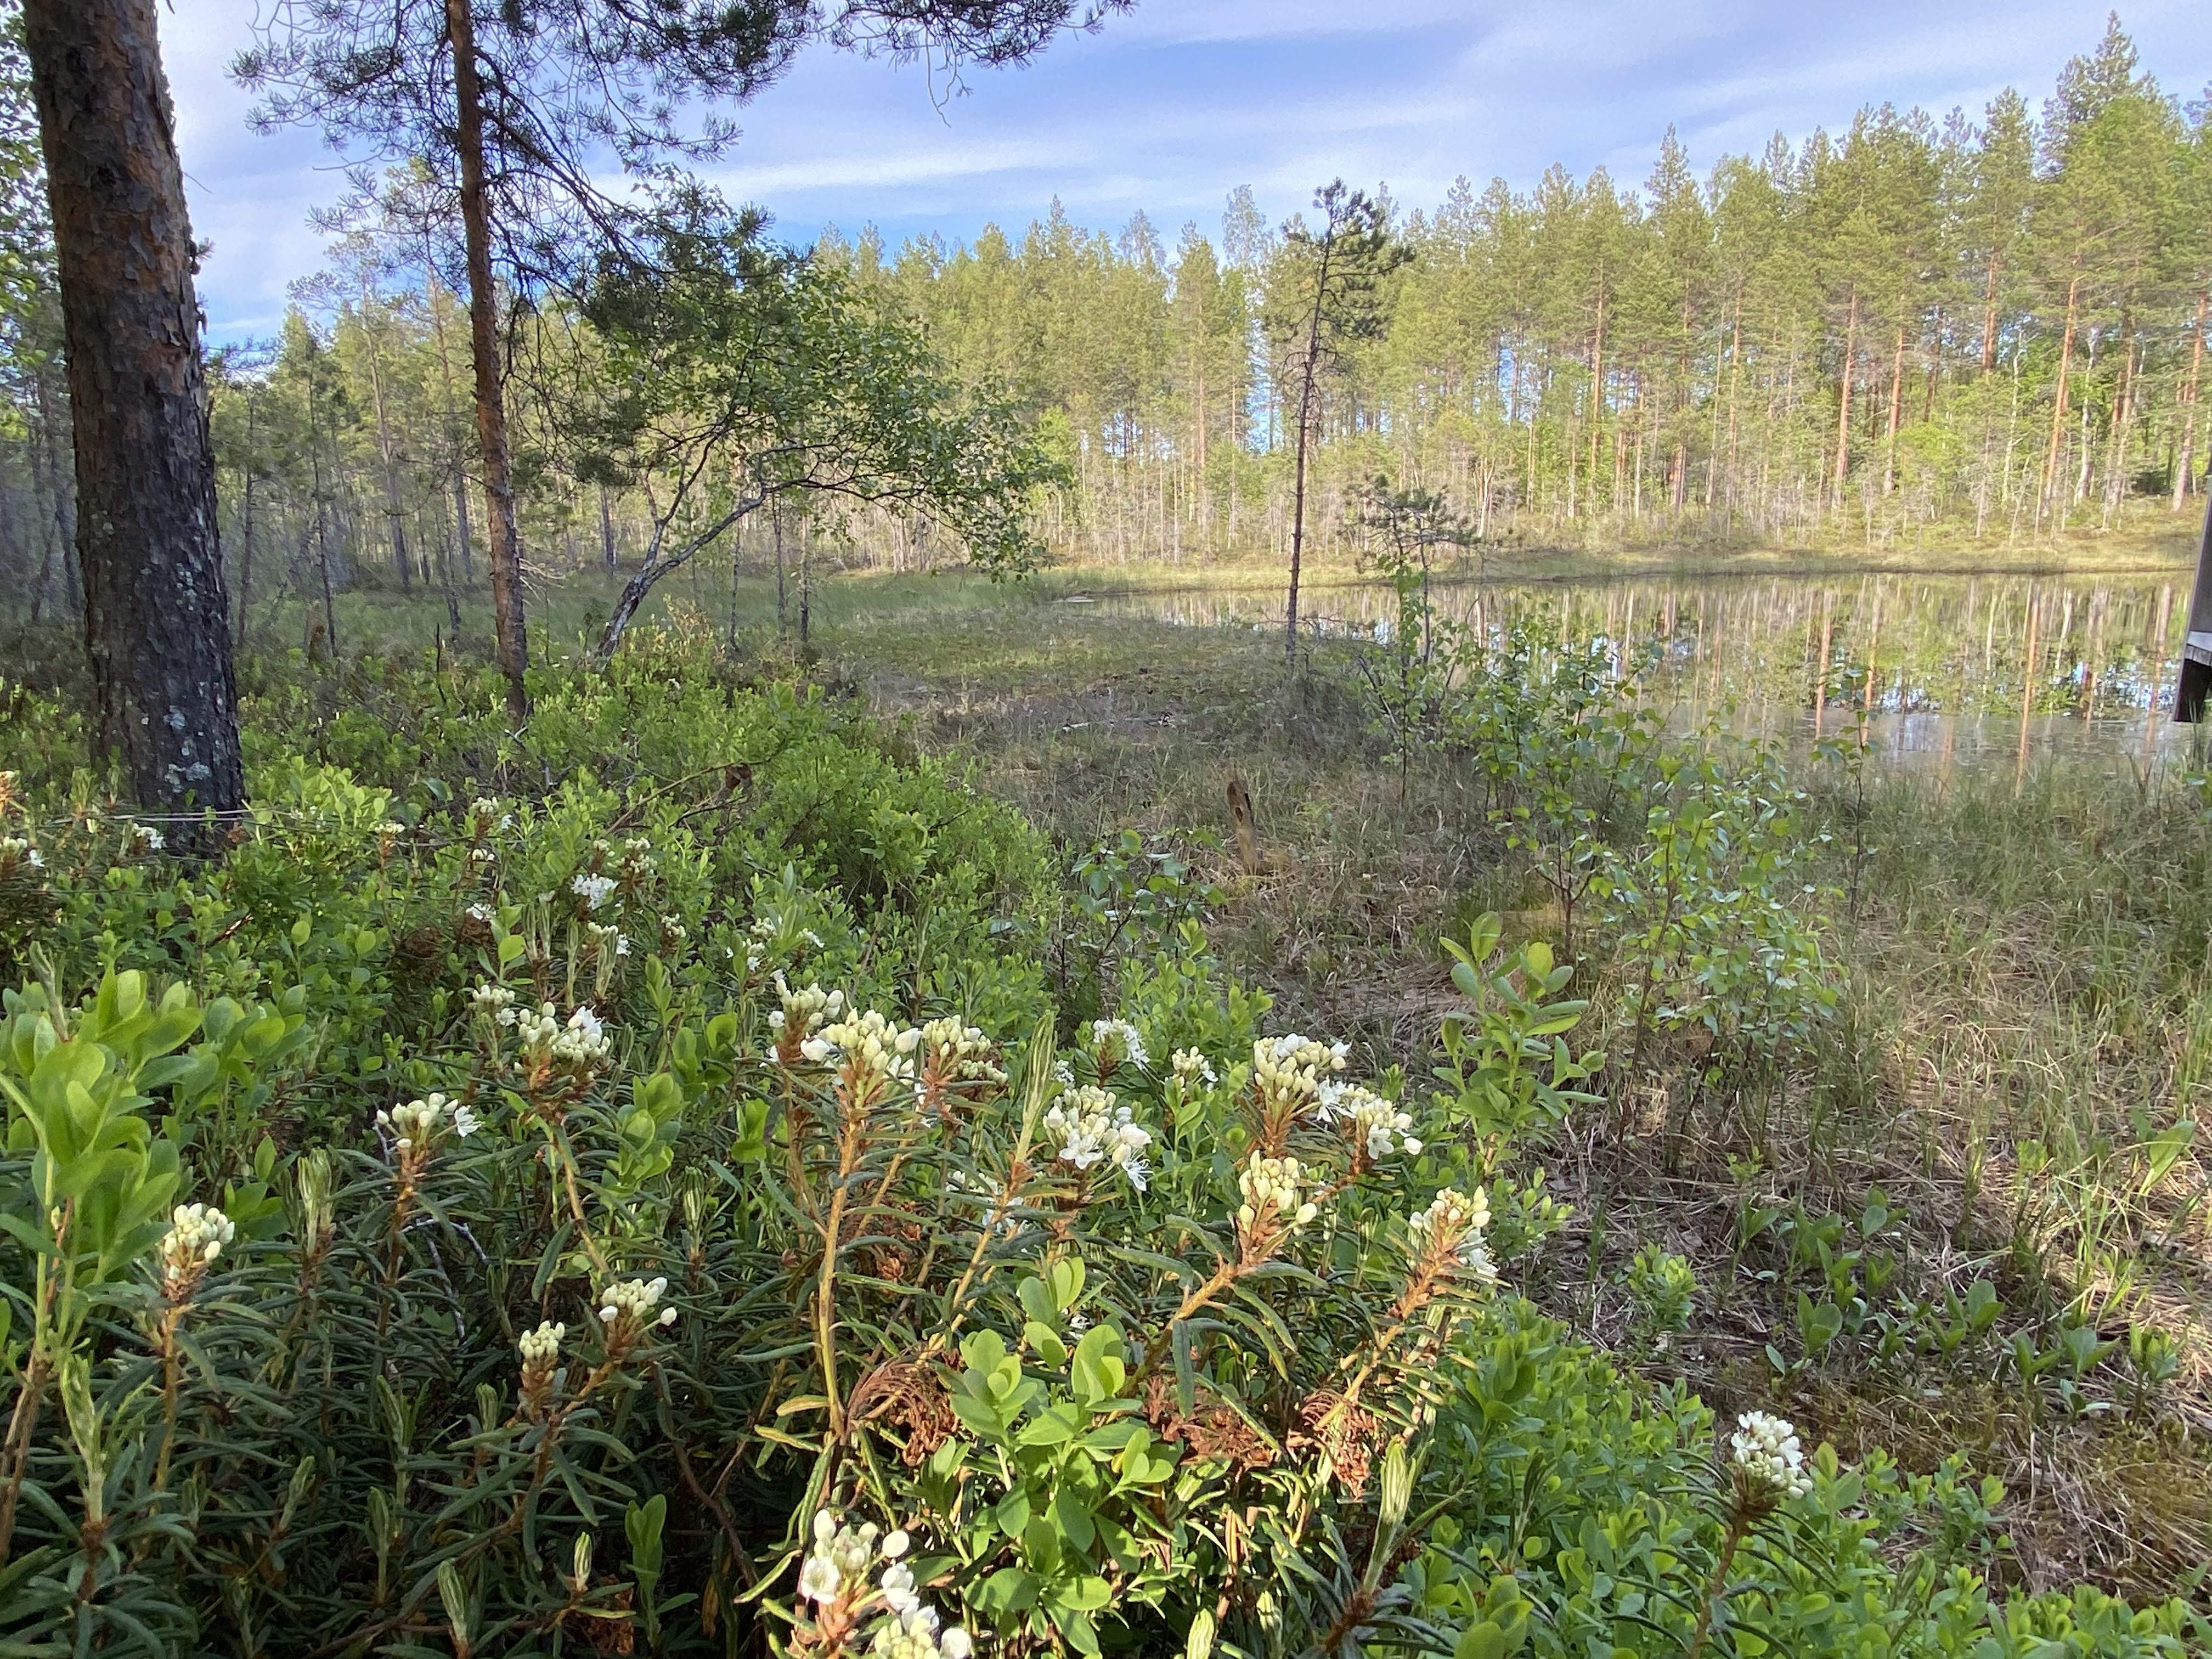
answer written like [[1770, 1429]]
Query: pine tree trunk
[[330, 623], [446, 385], [1597, 390], [157, 620], [1735, 370], [245, 555], [502, 531], [1310, 370], [1896, 409], [2059, 398], [1843, 407], [1990, 317], [387, 453], [2187, 458]]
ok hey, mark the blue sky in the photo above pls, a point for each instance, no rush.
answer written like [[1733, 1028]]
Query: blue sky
[[1171, 107]]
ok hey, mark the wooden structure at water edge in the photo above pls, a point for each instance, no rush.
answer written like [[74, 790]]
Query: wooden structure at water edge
[[2196, 645]]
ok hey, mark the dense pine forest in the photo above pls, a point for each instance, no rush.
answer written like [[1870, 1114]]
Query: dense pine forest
[[1960, 328]]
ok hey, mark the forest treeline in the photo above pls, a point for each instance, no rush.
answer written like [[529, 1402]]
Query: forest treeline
[[1997, 325], [1980, 328]]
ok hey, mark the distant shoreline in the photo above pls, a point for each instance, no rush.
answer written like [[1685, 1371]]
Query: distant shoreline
[[1545, 567]]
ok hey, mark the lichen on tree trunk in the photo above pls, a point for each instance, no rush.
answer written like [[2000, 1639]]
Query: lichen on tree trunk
[[157, 619]]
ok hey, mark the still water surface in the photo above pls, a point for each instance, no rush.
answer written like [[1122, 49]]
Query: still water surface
[[1929, 668]]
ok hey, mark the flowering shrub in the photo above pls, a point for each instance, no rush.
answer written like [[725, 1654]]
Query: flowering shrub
[[388, 1264]]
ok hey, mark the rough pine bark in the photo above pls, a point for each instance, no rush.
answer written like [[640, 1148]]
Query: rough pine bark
[[157, 620], [501, 530]]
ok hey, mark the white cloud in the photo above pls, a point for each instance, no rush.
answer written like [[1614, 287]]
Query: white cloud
[[1171, 107]]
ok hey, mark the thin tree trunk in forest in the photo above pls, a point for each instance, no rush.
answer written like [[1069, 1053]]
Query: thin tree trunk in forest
[[1934, 366], [1896, 406], [157, 620], [246, 525], [2058, 400], [606, 532], [387, 453], [322, 520], [245, 555], [461, 527], [737, 546], [2116, 448], [46, 475], [1597, 389], [805, 590], [452, 597], [502, 533], [60, 480], [1844, 406], [781, 602], [658, 564], [446, 385], [1308, 371], [1989, 315], [1197, 433], [2187, 456], [1735, 372]]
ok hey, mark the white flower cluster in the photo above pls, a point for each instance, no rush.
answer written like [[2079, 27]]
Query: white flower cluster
[[1288, 1070], [485, 816], [1089, 1125], [953, 1051], [146, 838], [542, 1347], [803, 1011], [17, 853], [1193, 1067], [1113, 1041], [608, 941], [1458, 1219], [1368, 1119], [915, 1635], [578, 1045], [594, 890], [495, 1002], [420, 1122], [842, 1556], [1271, 1190], [1765, 1450], [637, 860], [836, 1570], [582, 1041], [875, 1050], [635, 1300], [197, 1234]]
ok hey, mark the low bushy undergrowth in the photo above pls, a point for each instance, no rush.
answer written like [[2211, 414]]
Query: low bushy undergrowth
[[628, 1187]]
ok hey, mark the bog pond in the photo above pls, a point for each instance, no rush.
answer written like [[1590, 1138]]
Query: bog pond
[[1929, 669]]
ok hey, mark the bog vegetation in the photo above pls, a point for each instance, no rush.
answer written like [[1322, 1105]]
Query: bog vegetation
[[943, 1127], [693, 1173]]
